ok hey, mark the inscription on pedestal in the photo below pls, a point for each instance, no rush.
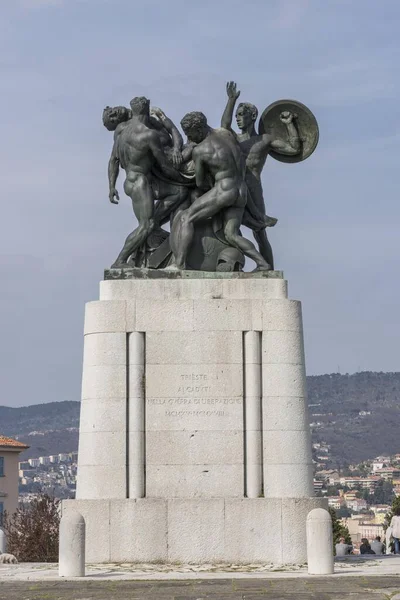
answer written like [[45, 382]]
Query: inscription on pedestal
[[197, 396]]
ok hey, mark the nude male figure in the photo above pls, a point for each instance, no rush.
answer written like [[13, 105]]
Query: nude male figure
[[256, 148], [217, 154], [137, 144]]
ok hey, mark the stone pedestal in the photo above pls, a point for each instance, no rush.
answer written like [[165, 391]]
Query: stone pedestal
[[194, 438]]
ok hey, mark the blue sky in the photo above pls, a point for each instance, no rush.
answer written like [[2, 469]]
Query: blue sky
[[337, 238]]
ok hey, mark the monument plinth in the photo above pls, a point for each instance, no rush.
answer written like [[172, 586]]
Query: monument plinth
[[194, 437]]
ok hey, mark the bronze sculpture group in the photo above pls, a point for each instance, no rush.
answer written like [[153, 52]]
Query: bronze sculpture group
[[206, 188]]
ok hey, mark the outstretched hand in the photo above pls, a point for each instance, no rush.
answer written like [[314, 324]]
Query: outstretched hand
[[231, 90], [287, 117], [113, 196], [158, 113], [177, 158]]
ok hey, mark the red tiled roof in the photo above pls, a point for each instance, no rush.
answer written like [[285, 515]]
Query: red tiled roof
[[6, 442]]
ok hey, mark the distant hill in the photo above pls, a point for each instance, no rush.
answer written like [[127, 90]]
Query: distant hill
[[47, 428], [359, 415]]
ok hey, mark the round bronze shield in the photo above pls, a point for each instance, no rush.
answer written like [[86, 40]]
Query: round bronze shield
[[305, 123]]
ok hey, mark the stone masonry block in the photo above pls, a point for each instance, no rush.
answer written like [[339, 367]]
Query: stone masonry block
[[254, 289], [107, 381], [104, 448], [104, 349], [287, 447], [105, 317], [193, 289], [194, 447], [164, 315], [107, 414], [284, 380], [288, 481], [282, 347], [139, 530], [129, 289], [131, 315], [282, 315], [253, 530], [199, 347], [219, 315], [101, 482], [285, 413], [196, 531], [194, 481]]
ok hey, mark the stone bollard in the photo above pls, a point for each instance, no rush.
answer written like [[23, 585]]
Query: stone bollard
[[72, 545], [2, 541], [319, 542]]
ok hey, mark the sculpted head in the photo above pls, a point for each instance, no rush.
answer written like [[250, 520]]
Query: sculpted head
[[194, 124], [114, 115], [140, 105], [246, 115]]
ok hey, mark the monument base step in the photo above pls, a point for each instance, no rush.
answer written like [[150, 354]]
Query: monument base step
[[196, 530]]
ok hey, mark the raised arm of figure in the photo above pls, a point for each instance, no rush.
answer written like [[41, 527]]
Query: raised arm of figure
[[177, 139], [233, 95], [292, 146]]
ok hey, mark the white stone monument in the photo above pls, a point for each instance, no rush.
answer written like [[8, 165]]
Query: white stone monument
[[194, 435]]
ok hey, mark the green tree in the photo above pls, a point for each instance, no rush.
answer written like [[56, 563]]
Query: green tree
[[339, 529], [383, 492], [366, 496], [343, 513]]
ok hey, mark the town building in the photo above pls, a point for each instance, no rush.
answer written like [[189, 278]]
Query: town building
[[64, 457], [318, 485], [389, 473], [330, 476], [9, 454], [363, 482], [336, 502], [357, 505], [349, 496]]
